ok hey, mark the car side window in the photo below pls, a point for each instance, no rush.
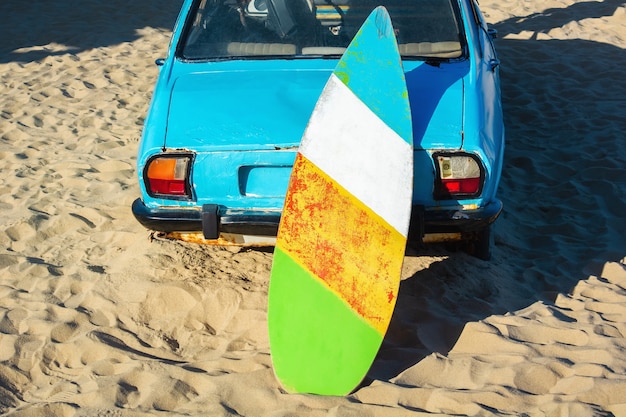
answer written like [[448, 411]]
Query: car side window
[[482, 26], [478, 17]]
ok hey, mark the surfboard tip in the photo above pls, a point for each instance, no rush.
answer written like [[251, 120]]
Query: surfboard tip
[[383, 22]]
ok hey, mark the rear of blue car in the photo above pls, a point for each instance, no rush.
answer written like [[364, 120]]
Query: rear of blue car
[[241, 80]]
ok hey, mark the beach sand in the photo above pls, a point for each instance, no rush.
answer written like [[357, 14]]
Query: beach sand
[[96, 319]]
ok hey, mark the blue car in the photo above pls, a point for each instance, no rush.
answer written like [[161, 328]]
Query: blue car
[[238, 86]]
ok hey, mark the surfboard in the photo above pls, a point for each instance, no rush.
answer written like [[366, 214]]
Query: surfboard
[[342, 235]]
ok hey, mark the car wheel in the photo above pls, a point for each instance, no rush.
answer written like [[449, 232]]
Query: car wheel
[[481, 243]]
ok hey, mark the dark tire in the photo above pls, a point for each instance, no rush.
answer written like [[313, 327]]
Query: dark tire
[[481, 243]]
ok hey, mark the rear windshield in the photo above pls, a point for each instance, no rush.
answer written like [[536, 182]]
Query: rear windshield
[[225, 29]]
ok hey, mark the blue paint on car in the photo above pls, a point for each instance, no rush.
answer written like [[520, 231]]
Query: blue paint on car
[[241, 78]]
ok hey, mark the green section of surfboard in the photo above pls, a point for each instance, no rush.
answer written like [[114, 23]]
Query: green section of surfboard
[[321, 357]]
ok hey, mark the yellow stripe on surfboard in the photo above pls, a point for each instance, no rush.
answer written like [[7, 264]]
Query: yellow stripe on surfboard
[[355, 266]]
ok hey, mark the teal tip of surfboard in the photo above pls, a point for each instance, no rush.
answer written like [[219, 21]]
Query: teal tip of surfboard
[[376, 46]]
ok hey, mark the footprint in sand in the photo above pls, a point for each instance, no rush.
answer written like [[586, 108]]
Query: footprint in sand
[[14, 322]]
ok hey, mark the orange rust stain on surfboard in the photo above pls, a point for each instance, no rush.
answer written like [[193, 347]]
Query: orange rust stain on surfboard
[[357, 262]]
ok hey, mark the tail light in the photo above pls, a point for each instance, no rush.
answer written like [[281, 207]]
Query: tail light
[[458, 175], [168, 176]]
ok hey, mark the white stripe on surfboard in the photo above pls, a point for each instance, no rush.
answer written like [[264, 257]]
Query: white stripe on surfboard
[[343, 135]]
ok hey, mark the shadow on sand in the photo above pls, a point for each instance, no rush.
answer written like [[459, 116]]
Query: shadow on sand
[[563, 187], [29, 26]]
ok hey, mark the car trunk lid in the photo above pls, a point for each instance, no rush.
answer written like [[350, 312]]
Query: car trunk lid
[[436, 94], [242, 110], [266, 109]]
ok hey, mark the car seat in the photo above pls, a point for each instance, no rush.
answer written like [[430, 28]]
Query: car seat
[[286, 17]]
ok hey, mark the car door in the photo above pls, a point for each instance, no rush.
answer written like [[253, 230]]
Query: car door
[[492, 125]]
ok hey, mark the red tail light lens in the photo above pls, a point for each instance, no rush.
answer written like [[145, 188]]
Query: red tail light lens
[[459, 175], [461, 186], [168, 176]]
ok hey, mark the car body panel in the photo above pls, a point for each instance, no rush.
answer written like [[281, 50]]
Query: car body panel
[[269, 108]]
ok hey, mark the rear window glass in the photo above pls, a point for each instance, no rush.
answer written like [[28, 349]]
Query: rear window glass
[[222, 29]]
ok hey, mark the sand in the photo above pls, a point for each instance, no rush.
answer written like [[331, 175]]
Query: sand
[[96, 319]]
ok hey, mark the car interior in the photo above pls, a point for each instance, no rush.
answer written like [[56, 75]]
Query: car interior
[[228, 29]]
